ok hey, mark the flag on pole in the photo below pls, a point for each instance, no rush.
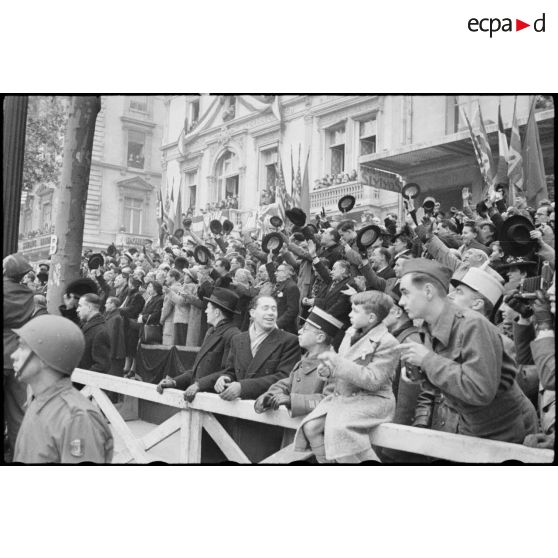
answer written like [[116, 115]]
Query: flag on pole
[[503, 151], [275, 108], [305, 188], [169, 221], [515, 160], [297, 189], [481, 161], [486, 152], [282, 197], [178, 208], [292, 172], [533, 164]]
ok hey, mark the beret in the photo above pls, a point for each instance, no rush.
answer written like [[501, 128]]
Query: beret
[[432, 268]]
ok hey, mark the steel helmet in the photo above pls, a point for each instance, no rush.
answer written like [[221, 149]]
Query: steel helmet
[[16, 266], [57, 341]]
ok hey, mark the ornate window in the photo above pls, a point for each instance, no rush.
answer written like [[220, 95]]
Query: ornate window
[[336, 149], [133, 213], [367, 136], [138, 103], [191, 184], [136, 149], [227, 178]]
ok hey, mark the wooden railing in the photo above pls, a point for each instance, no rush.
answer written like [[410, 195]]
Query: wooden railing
[[193, 417]]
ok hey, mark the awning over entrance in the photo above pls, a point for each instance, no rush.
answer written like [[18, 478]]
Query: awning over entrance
[[456, 148]]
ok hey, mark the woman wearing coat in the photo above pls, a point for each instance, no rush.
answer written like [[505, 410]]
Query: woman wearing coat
[[359, 394], [131, 307], [151, 314]]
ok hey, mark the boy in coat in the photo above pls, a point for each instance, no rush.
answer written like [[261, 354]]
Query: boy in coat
[[360, 391], [301, 392]]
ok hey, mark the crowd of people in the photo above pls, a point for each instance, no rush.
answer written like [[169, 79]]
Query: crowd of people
[[442, 321]]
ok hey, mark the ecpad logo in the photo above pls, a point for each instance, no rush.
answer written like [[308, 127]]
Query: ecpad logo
[[493, 25]]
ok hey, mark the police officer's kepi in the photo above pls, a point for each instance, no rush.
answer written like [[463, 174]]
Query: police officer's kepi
[[346, 203], [323, 321]]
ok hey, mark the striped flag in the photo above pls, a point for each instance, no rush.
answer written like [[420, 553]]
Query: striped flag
[[486, 152], [503, 151], [515, 160], [282, 198], [305, 188], [297, 189], [533, 164], [478, 151]]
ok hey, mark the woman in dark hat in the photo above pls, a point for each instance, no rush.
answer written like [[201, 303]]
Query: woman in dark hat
[[130, 310]]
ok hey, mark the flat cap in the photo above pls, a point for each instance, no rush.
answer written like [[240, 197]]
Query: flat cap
[[438, 272]]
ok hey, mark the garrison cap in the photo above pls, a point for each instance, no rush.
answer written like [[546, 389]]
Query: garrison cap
[[439, 273]]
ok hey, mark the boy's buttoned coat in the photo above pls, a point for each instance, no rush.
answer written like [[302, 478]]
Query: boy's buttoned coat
[[359, 395]]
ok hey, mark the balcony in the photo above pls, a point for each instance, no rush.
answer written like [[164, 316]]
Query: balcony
[[329, 196]]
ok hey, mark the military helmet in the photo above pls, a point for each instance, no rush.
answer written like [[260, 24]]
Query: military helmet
[[16, 266], [57, 341]]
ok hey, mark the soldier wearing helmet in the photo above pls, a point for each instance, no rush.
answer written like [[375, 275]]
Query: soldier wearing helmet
[[60, 425], [18, 309]]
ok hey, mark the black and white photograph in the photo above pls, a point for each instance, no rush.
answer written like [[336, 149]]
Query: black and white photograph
[[279, 278]]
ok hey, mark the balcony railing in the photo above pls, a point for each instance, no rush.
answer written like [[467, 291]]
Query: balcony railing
[[329, 196]]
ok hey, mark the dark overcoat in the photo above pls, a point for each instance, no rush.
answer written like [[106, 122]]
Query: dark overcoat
[[96, 355], [213, 354], [275, 359]]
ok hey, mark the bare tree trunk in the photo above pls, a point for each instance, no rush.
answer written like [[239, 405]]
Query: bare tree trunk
[[15, 115], [70, 217]]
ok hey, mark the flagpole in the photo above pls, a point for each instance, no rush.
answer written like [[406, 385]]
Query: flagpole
[[512, 184]]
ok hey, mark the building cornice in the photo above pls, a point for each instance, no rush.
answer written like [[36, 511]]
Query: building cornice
[[138, 122]]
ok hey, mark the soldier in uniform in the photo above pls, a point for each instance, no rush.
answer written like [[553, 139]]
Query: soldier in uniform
[[60, 425], [464, 357]]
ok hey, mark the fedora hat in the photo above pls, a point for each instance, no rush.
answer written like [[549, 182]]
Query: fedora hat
[[512, 261], [187, 223], [323, 321], [202, 255], [272, 242], [228, 226], [82, 286], [95, 261], [276, 221], [366, 236], [514, 237], [346, 203], [411, 190], [296, 216], [216, 227], [224, 299]]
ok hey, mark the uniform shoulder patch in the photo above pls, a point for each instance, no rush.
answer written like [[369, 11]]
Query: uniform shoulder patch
[[77, 447]]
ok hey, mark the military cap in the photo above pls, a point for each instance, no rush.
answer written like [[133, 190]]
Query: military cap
[[482, 282], [439, 273]]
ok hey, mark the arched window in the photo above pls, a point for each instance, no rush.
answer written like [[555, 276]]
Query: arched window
[[227, 179]]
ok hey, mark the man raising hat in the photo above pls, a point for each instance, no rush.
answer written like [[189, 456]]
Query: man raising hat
[[464, 357]]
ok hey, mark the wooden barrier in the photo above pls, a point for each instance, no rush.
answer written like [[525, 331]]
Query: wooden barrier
[[191, 418]]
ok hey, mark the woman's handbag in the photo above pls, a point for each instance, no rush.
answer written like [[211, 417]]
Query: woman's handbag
[[152, 334]]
